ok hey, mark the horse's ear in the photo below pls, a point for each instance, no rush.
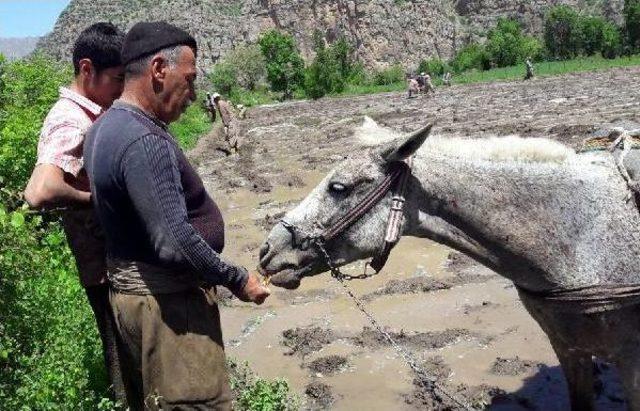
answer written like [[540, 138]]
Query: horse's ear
[[406, 146]]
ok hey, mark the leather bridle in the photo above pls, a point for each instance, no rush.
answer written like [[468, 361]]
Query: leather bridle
[[395, 179]]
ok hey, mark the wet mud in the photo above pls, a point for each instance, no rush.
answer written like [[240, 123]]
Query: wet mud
[[371, 338], [462, 322], [328, 365], [319, 395], [512, 366], [303, 341]]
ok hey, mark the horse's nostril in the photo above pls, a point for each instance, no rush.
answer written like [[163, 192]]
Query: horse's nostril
[[264, 249]]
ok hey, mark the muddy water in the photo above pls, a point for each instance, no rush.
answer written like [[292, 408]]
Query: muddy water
[[464, 315]]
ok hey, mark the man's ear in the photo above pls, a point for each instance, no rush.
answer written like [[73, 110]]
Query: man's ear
[[406, 146], [159, 67]]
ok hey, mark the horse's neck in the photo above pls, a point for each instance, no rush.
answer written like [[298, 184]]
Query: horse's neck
[[541, 225]]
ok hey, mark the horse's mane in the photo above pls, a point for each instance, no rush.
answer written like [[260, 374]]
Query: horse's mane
[[509, 148]]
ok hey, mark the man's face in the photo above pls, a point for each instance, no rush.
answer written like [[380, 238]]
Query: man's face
[[106, 86], [178, 87]]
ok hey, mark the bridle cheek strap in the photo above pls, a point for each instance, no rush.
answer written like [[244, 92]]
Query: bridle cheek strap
[[396, 180], [394, 225]]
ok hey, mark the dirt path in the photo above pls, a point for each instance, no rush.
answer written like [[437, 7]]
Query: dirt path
[[463, 321]]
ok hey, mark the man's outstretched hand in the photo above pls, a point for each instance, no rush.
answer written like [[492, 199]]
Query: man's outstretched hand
[[254, 291]]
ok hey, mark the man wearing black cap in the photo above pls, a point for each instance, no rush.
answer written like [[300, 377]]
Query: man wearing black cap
[[164, 232]]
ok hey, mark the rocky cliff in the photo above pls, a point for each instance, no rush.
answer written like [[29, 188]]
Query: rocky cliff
[[383, 31]]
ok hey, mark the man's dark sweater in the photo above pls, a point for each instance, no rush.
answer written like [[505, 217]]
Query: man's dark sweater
[[150, 201]]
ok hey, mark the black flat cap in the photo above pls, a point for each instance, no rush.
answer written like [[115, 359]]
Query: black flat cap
[[149, 37]]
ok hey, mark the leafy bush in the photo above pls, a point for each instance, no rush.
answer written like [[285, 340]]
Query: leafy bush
[[357, 74], [224, 77], [50, 352], [30, 87], [256, 394], [433, 67], [508, 46], [472, 56], [285, 67], [562, 32], [387, 76], [631, 12]]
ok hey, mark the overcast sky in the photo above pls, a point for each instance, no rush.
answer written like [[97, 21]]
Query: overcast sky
[[23, 18]]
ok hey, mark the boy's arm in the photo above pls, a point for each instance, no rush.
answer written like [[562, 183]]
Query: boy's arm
[[47, 188]]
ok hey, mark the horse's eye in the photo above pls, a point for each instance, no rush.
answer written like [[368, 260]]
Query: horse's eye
[[337, 187]]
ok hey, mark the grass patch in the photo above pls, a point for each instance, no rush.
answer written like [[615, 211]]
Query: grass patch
[[193, 124], [261, 95], [547, 69], [542, 69]]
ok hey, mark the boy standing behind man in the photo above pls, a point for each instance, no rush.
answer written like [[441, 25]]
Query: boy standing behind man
[[59, 178]]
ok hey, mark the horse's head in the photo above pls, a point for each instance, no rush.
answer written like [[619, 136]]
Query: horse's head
[[289, 252]]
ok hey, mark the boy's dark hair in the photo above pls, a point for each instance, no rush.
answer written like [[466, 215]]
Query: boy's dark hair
[[100, 43]]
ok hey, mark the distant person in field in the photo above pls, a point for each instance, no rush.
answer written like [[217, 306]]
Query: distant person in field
[[529, 67], [446, 79], [229, 122], [60, 180], [428, 85], [210, 106], [413, 87], [164, 233], [420, 79]]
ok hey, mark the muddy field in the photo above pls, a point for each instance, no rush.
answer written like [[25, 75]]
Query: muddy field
[[463, 322]]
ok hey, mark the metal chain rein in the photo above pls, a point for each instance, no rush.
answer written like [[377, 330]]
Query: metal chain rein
[[430, 381]]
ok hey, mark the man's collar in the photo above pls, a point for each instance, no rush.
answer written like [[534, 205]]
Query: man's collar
[[128, 106], [81, 100]]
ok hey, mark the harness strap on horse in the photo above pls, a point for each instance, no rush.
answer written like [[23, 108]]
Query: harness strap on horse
[[588, 299], [367, 203], [399, 175], [394, 225]]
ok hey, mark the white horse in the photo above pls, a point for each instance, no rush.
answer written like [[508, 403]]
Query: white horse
[[554, 222]]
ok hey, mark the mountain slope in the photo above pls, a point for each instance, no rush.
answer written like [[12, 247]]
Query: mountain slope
[[384, 31]]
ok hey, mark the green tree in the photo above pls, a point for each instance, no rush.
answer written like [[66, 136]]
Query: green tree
[[224, 77], [507, 45], [611, 46], [342, 53], [249, 64], [631, 12], [2, 68], [591, 28], [331, 68], [285, 67], [471, 56], [562, 32]]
